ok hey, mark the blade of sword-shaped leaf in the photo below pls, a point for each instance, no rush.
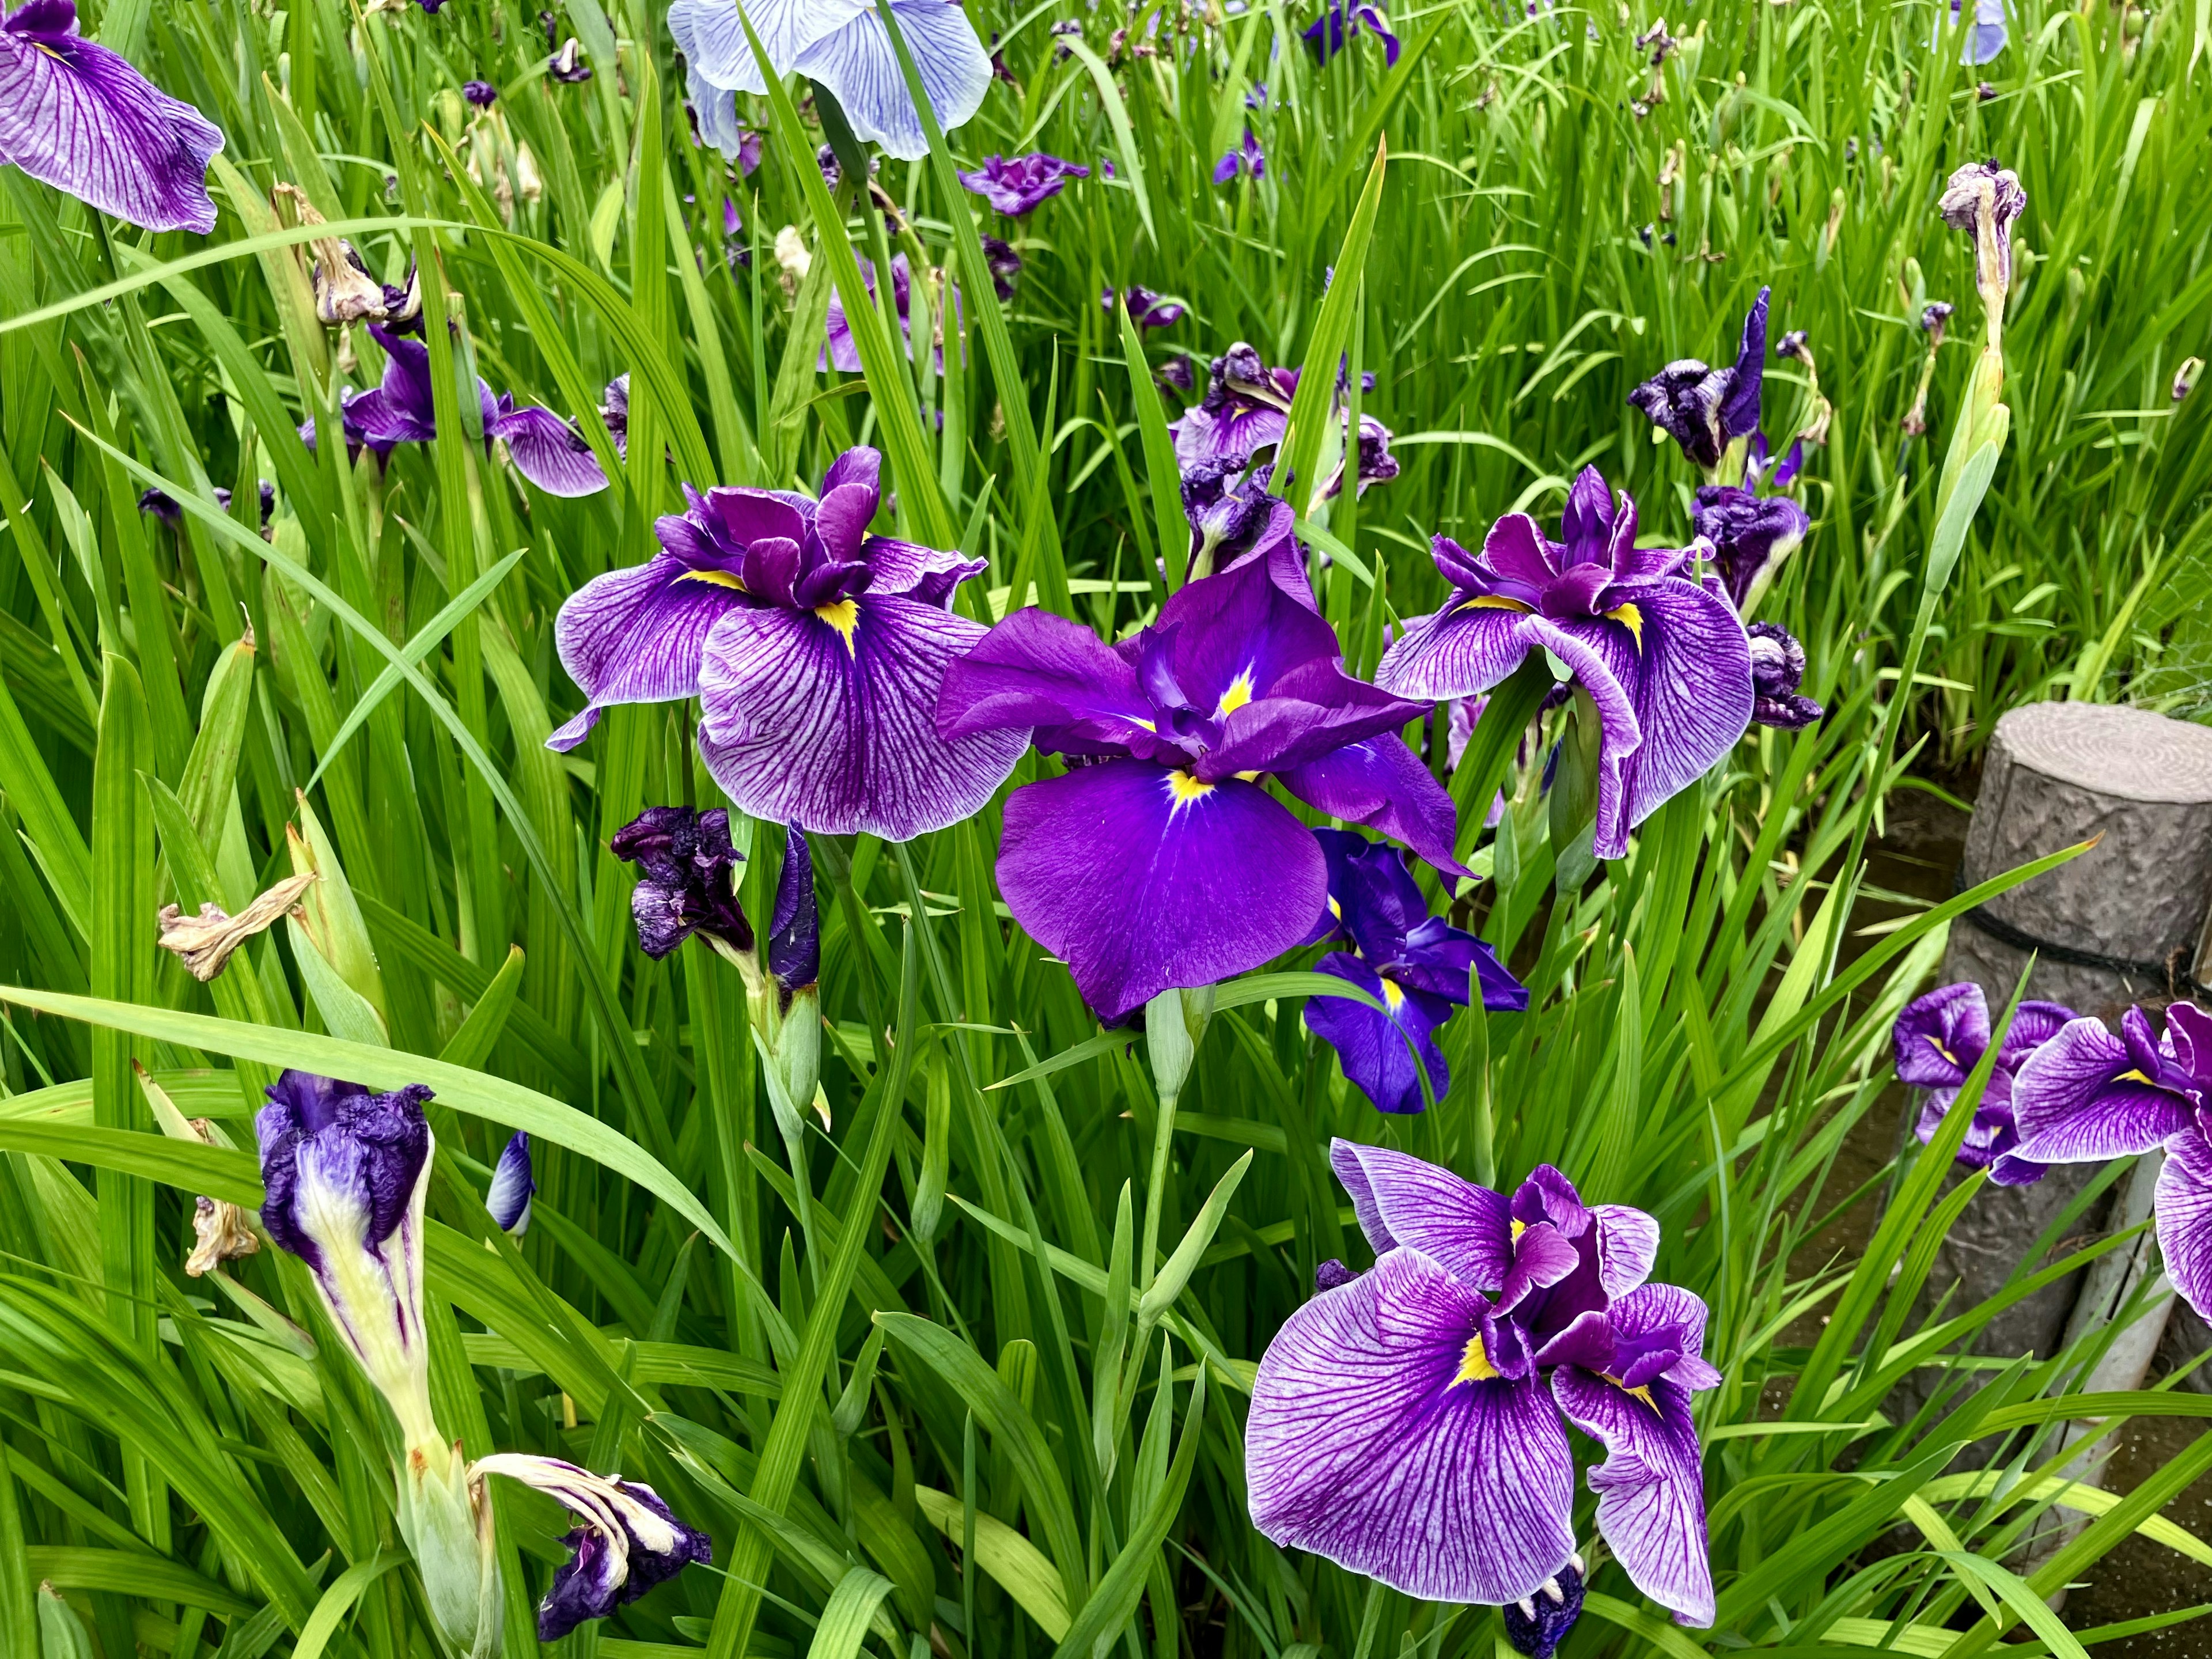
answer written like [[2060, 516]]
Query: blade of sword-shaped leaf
[[1162, 474], [1117, 117], [622, 1045], [1312, 405]]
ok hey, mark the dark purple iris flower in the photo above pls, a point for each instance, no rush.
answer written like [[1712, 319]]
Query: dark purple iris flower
[[568, 63], [1538, 1624], [163, 505], [1176, 374], [1418, 966], [1752, 535], [842, 351], [1249, 159], [1939, 1040], [1325, 35], [629, 1540], [687, 881], [1705, 410], [794, 928], [77, 116], [1406, 1424], [1247, 409], [1665, 662], [1004, 263], [815, 650], [1777, 669], [482, 94], [544, 448], [1160, 860], [512, 1187], [1019, 184], [1230, 511], [1146, 309]]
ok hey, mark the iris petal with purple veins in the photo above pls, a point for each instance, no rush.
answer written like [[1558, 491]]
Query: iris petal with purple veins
[[1418, 966], [1401, 1424], [1019, 185], [2088, 1095], [1940, 1038], [628, 1539], [1705, 408], [76, 115], [1168, 864], [1666, 663]]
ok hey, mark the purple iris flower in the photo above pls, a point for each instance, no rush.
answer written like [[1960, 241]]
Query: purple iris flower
[[1005, 265], [1705, 410], [512, 1187], [1160, 860], [1418, 966], [544, 448], [1777, 669], [1024, 183], [77, 116], [1402, 1426], [628, 1539], [815, 650], [1666, 662], [568, 63], [1247, 409], [842, 351], [794, 928], [687, 880], [1752, 535], [482, 94], [1939, 1040], [1230, 511], [1248, 158], [1986, 38], [163, 505], [1146, 308], [1326, 33]]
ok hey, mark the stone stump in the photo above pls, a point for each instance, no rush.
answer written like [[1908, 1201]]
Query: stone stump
[[2121, 924]]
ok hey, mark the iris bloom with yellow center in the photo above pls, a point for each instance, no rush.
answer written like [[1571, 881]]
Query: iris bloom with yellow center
[[815, 648], [1664, 658]]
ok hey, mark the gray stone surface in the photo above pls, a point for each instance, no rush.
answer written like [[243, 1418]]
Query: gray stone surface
[[2058, 774]]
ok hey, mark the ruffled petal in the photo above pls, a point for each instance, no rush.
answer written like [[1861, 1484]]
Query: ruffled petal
[[1381, 784], [1650, 1489], [1363, 1444], [2184, 1219], [1240, 634], [546, 450], [1468, 647], [1627, 1245], [825, 718], [1140, 879], [1403, 1201], [2079, 1100], [857, 63], [1940, 1037], [1370, 1045], [77, 116], [636, 635], [1036, 668]]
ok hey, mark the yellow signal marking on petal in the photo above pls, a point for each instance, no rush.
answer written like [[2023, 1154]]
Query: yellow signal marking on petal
[[714, 579], [1334, 908], [1941, 1050], [1496, 602], [1475, 1364], [2133, 1077], [1238, 694], [1394, 997], [1519, 1228], [1248, 777], [1631, 618], [1643, 1391], [1183, 789], [844, 615]]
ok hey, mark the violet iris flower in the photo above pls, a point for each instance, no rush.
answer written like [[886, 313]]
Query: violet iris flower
[[1160, 860], [843, 46], [1703, 409], [1248, 158], [1247, 409], [1005, 265], [1752, 534], [512, 1187], [1418, 966], [1022, 184], [482, 94], [687, 879], [628, 1539], [1406, 1424], [1230, 511], [544, 448], [1940, 1038], [568, 63], [1665, 662], [163, 505], [1146, 309], [1777, 669], [816, 649], [1986, 39], [2088, 1095], [842, 351], [1326, 33], [77, 116]]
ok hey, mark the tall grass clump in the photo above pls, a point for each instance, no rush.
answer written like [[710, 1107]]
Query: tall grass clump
[[846, 1283]]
